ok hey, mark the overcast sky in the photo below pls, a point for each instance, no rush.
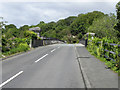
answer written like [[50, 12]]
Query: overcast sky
[[31, 13]]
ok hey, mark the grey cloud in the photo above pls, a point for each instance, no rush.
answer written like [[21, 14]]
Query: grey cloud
[[32, 13]]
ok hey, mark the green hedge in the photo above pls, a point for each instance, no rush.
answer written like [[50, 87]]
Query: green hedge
[[98, 46]]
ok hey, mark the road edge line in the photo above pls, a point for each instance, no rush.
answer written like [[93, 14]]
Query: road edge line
[[85, 77]]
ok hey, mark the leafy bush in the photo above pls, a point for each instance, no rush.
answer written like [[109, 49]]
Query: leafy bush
[[22, 47], [30, 34], [17, 41], [105, 27], [98, 46]]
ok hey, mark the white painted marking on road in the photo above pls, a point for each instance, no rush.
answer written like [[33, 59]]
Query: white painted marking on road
[[58, 47], [53, 50], [1, 85], [41, 58]]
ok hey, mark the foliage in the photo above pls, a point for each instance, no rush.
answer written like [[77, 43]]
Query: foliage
[[70, 29], [30, 34], [10, 26], [98, 48], [16, 40], [83, 21], [73, 26], [22, 47], [104, 27], [117, 26], [77, 26], [50, 34], [79, 35]]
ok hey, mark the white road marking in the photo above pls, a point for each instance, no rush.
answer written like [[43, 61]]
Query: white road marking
[[53, 50], [1, 85], [58, 47], [41, 58]]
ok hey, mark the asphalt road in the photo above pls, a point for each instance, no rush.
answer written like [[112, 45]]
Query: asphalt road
[[53, 66], [57, 66]]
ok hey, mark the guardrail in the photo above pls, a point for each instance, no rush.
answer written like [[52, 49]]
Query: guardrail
[[109, 51]]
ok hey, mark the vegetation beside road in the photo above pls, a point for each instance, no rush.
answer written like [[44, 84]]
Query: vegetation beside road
[[73, 28], [105, 50], [70, 29], [16, 40], [105, 45]]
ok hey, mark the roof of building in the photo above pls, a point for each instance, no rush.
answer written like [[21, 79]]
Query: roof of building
[[36, 29]]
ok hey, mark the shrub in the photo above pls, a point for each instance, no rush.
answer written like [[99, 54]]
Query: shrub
[[22, 47], [97, 49]]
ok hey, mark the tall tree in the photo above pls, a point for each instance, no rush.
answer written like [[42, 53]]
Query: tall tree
[[117, 27], [104, 27], [83, 21]]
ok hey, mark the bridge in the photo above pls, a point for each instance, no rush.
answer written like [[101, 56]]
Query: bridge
[[44, 40], [57, 66]]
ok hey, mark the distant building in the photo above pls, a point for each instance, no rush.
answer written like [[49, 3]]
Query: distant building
[[36, 30]]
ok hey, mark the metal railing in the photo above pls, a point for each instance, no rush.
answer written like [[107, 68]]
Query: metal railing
[[109, 51]]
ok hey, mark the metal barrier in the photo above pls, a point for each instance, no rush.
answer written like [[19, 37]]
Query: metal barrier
[[109, 51]]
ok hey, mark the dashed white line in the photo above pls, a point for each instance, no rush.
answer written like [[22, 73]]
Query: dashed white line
[[41, 58], [1, 85], [53, 50]]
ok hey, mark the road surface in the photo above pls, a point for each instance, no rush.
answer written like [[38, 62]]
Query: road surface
[[53, 66]]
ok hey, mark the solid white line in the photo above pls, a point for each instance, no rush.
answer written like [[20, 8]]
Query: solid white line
[[41, 58], [1, 85], [53, 50]]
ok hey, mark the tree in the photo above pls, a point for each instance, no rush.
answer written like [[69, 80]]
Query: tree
[[117, 26], [104, 27], [10, 26], [83, 21], [22, 31], [69, 20], [80, 36], [24, 28], [118, 10], [2, 23], [12, 32]]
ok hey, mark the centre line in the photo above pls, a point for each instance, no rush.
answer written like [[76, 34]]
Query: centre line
[[1, 85], [41, 58], [53, 50]]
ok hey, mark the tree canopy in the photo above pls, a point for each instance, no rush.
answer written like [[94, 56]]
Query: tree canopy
[[117, 26], [72, 28]]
